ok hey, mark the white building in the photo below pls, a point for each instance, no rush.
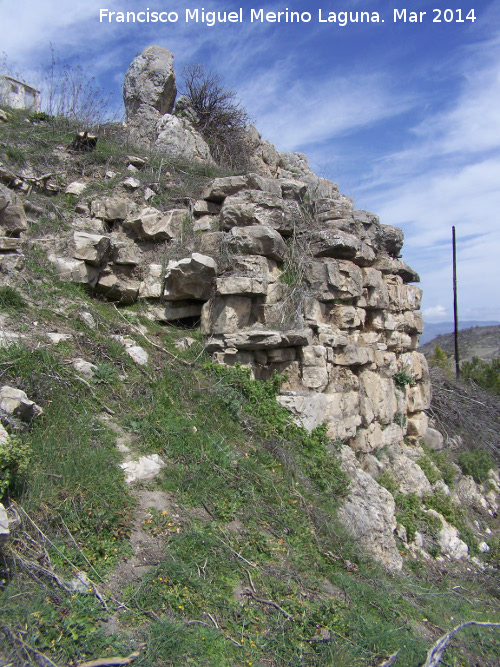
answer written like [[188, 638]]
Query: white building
[[18, 95]]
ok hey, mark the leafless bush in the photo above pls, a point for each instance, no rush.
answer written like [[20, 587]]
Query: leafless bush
[[462, 408], [218, 116], [71, 91], [68, 91]]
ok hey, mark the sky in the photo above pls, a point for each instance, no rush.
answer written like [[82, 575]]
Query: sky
[[403, 115]]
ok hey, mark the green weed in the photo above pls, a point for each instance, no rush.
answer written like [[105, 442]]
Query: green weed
[[477, 462], [402, 378], [10, 299]]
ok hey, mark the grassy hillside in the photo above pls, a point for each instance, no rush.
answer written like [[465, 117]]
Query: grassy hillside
[[232, 555], [482, 342]]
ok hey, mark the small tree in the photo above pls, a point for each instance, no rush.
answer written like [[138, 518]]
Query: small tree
[[218, 116], [441, 359]]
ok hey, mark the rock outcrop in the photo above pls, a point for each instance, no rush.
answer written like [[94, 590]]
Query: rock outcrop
[[149, 93], [284, 275]]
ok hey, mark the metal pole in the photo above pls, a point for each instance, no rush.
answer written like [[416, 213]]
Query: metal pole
[[455, 303]]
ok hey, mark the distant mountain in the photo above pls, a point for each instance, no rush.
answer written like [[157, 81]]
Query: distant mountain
[[433, 329], [482, 342]]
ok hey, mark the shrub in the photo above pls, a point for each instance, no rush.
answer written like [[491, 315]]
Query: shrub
[[430, 470], [403, 378], [476, 462], [71, 91], [441, 359], [14, 464], [485, 374], [218, 116]]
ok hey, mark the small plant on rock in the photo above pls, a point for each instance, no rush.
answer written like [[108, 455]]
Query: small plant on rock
[[402, 378]]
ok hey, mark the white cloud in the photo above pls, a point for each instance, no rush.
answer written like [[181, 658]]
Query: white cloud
[[316, 110], [435, 314]]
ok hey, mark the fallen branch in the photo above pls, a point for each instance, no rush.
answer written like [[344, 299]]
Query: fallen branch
[[89, 387], [27, 647], [390, 661], [436, 651], [110, 662], [250, 580], [269, 603]]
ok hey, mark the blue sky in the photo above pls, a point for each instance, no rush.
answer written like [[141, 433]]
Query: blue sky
[[405, 117]]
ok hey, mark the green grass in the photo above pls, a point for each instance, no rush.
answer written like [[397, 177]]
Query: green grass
[[232, 454], [256, 496], [10, 299]]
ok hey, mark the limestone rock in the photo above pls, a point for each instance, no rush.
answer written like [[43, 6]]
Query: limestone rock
[[257, 240], [369, 514], [111, 209], [450, 543], [84, 368], [220, 188], [434, 439], [254, 207], [131, 184], [12, 216], [75, 270], [467, 492], [117, 289], [202, 208], [124, 253], [334, 244], [15, 402], [390, 239], [227, 314], [4, 525], [397, 267], [91, 248], [377, 398], [177, 139], [242, 285], [332, 279], [176, 310], [144, 469], [204, 224], [138, 354], [57, 337], [409, 476], [190, 278], [314, 371], [308, 410], [76, 188], [149, 92], [417, 424], [292, 188], [152, 285], [152, 225]]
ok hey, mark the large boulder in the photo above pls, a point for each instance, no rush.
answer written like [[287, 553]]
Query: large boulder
[[369, 514], [149, 92], [152, 225], [257, 240], [190, 278], [15, 403], [254, 207], [177, 139]]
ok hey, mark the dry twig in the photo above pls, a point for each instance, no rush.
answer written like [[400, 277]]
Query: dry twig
[[435, 653], [269, 603], [111, 662]]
